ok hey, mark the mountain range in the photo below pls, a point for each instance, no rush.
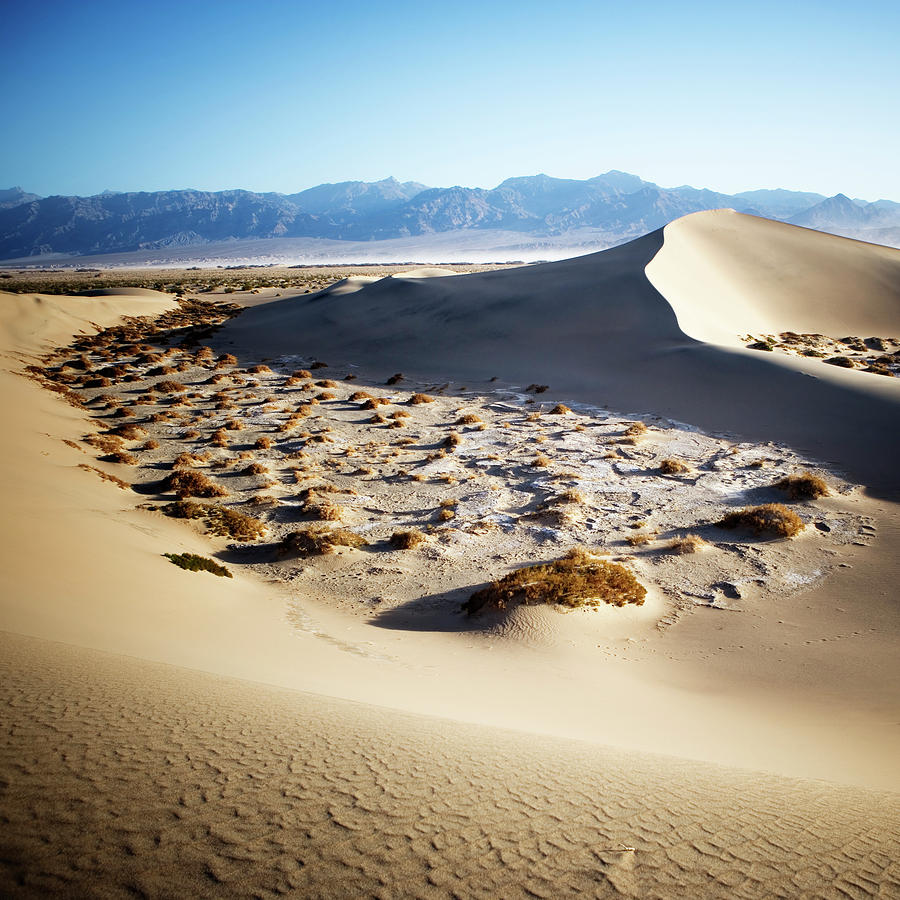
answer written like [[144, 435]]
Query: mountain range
[[616, 206]]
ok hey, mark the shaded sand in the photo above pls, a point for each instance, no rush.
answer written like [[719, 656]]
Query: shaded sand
[[596, 329], [123, 777]]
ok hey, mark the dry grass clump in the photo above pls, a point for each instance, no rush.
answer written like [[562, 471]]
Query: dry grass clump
[[469, 419], [842, 362], [190, 483], [406, 540], [541, 461], [129, 432], [452, 441], [395, 378], [690, 543], [375, 402], [673, 466], [635, 429], [537, 388], [123, 457], [418, 399], [578, 579], [255, 469], [322, 509], [802, 487], [220, 520], [319, 540], [258, 370], [263, 443], [106, 476], [560, 410], [769, 519], [358, 396], [150, 445], [637, 540], [105, 443], [170, 387]]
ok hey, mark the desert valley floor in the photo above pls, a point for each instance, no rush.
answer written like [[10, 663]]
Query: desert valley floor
[[327, 712]]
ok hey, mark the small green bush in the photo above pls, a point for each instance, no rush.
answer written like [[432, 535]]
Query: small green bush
[[194, 563]]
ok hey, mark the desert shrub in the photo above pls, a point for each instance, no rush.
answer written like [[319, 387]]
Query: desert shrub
[[452, 441], [358, 396], [263, 443], [406, 540], [690, 543], [377, 419], [673, 466], [400, 414], [150, 445], [418, 399], [105, 443], [541, 461], [760, 345], [322, 509], [255, 469], [234, 425], [190, 483], [326, 383], [638, 540], [842, 362], [194, 563], [578, 579], [769, 519], [802, 487], [395, 378], [302, 373], [123, 413], [537, 388], [635, 429], [560, 410], [469, 419], [121, 456], [319, 540], [129, 432], [170, 387], [220, 438], [258, 370], [318, 364], [106, 476]]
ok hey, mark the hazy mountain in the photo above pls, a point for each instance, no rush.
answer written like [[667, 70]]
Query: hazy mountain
[[15, 196], [616, 205]]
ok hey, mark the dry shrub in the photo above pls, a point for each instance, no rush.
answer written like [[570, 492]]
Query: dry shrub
[[220, 438], [234, 425], [170, 387], [258, 370], [190, 483], [302, 373], [578, 579], [227, 359], [106, 476], [105, 443], [638, 540], [673, 466], [400, 414], [805, 486], [318, 364], [326, 383], [263, 443], [635, 429], [533, 417], [129, 432], [406, 540], [319, 540], [452, 441], [255, 469], [220, 520], [541, 461], [396, 423], [842, 362], [769, 519], [377, 419], [418, 399], [121, 456], [537, 388], [560, 410], [194, 563], [446, 514], [469, 419], [690, 543], [358, 396], [395, 378]]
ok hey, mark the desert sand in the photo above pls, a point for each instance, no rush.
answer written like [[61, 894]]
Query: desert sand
[[335, 725]]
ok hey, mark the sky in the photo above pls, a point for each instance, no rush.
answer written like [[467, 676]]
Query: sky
[[281, 96]]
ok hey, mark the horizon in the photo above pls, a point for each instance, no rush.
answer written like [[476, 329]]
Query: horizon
[[283, 192], [294, 94]]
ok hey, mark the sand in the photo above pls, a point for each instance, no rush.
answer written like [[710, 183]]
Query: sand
[[332, 744]]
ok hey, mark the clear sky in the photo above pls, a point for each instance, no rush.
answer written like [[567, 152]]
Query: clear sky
[[279, 96]]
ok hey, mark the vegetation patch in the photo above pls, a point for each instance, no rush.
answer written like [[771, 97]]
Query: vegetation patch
[[771, 519], [577, 580], [690, 543], [221, 520], [194, 563], [406, 540], [673, 466], [190, 483], [803, 487], [320, 540]]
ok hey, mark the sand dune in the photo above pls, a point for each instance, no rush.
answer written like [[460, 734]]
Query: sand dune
[[597, 330], [144, 777]]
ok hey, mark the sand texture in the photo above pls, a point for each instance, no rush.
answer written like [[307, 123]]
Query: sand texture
[[121, 777], [337, 725]]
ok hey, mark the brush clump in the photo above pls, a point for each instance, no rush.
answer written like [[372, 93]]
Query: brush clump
[[770, 519], [802, 487], [579, 579]]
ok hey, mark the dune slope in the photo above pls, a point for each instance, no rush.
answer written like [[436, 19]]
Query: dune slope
[[597, 330]]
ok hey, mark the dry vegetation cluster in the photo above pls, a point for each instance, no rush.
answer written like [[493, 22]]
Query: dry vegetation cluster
[[878, 355], [293, 459]]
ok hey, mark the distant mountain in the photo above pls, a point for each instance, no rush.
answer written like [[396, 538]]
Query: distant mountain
[[10, 197], [617, 206]]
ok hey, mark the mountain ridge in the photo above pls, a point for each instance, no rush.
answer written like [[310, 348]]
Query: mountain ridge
[[619, 204]]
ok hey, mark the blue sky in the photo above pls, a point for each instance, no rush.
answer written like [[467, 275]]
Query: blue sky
[[285, 95]]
